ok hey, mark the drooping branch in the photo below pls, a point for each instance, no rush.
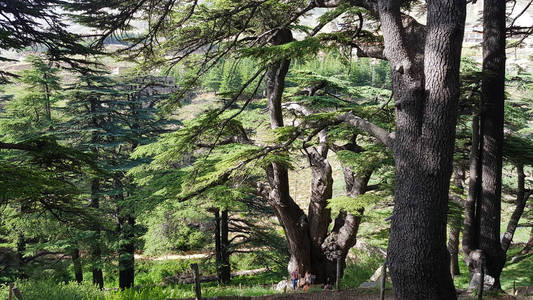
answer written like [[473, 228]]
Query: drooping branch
[[382, 135]]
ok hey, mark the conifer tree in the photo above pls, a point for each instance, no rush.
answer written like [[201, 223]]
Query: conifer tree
[[424, 61], [110, 117]]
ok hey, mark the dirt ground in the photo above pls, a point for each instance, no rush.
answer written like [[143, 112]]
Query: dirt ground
[[345, 295]]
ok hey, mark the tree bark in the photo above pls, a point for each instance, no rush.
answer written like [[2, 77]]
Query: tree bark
[[95, 248], [471, 221], [126, 260], [126, 232], [521, 199], [453, 248], [492, 115], [78, 271], [225, 266], [455, 221], [426, 90], [290, 215], [218, 252], [96, 251]]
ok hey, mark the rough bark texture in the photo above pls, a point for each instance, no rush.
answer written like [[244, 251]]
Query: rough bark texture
[[455, 220], [453, 248], [492, 113], [425, 78], [426, 96], [78, 271], [319, 214], [521, 199], [311, 247], [471, 222]]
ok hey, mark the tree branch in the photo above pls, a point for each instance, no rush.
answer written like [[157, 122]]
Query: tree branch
[[383, 136], [11, 146]]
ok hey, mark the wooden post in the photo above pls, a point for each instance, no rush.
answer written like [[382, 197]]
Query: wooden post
[[383, 281], [338, 281], [10, 297], [198, 289]]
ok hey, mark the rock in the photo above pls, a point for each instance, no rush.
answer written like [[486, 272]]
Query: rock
[[474, 282], [283, 285], [377, 275], [361, 245]]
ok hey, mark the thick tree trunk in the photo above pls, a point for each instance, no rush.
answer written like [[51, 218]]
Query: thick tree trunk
[[471, 221], [126, 251], [78, 271], [453, 248], [343, 236], [224, 267], [426, 96], [218, 252], [521, 199], [96, 251], [492, 114], [455, 221], [319, 214], [126, 232]]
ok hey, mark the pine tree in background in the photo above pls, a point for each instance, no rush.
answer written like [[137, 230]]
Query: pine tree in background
[[110, 117]]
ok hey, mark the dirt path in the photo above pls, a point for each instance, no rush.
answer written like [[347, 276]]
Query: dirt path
[[173, 256], [329, 295]]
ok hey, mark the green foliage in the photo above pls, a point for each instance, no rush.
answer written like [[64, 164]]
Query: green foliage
[[518, 150], [305, 48], [353, 205], [373, 157], [47, 289], [176, 228]]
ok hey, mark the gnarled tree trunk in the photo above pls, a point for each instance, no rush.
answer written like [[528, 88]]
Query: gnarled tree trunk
[[312, 248], [290, 215]]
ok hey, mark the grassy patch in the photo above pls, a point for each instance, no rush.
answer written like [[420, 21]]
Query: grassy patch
[[360, 270], [48, 290], [519, 272]]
